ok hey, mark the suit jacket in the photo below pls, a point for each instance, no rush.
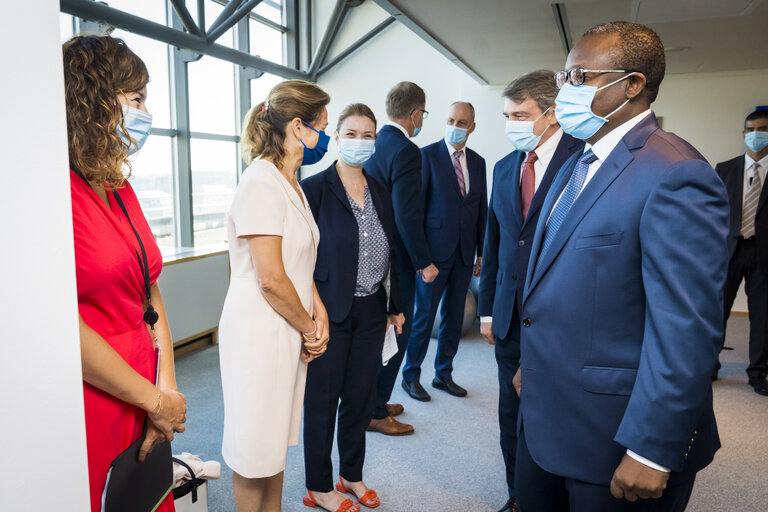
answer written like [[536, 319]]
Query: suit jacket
[[450, 219], [622, 316], [732, 174], [337, 253], [397, 164], [508, 236]]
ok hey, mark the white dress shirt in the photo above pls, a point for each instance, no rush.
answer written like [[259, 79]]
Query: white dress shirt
[[462, 161], [748, 173], [399, 127]]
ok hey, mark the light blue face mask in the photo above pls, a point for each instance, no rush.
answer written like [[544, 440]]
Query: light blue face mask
[[573, 109], [455, 135], [756, 141], [416, 131], [137, 123], [356, 152], [520, 133]]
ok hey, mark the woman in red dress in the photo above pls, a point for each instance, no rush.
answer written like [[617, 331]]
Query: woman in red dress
[[117, 261]]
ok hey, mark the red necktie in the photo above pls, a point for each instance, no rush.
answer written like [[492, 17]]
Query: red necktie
[[528, 184]]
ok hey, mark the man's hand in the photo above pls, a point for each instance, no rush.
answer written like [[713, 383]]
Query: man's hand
[[517, 381], [478, 264], [428, 274], [486, 331], [633, 479]]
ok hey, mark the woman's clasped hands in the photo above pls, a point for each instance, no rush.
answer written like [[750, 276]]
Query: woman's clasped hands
[[166, 417]]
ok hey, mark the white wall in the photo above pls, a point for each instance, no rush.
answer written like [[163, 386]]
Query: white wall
[[42, 432], [707, 109]]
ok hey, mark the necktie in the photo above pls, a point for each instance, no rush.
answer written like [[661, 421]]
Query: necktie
[[459, 172], [751, 199], [572, 190], [528, 183]]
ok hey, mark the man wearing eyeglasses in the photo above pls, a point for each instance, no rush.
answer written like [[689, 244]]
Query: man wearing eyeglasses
[[622, 308]]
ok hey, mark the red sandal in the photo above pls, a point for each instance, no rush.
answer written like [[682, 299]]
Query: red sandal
[[346, 505], [370, 499]]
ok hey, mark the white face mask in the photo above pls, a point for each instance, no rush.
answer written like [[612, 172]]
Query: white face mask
[[356, 152], [138, 124], [520, 133]]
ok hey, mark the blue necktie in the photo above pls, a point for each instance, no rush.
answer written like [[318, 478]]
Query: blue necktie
[[575, 183]]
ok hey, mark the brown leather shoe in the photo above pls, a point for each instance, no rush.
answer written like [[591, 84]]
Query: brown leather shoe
[[395, 409], [389, 426]]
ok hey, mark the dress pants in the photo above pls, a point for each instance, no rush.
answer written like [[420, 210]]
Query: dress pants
[[346, 372], [744, 265], [541, 491], [508, 360], [406, 280], [451, 284]]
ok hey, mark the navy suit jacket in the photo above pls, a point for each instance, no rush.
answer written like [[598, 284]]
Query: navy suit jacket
[[508, 236], [397, 164], [622, 316], [732, 174], [337, 253], [450, 219]]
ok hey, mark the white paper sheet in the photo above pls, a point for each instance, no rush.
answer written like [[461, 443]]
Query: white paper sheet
[[390, 345]]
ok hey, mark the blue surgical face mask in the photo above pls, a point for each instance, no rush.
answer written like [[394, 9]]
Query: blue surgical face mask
[[520, 133], [756, 141], [314, 155], [416, 131], [455, 135], [573, 109], [137, 123], [356, 152]]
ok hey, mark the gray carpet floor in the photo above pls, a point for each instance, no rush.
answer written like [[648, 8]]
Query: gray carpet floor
[[453, 463]]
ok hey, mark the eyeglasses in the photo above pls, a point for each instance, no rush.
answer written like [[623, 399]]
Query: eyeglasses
[[426, 114], [576, 76]]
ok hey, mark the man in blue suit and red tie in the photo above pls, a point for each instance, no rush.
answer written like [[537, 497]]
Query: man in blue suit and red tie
[[521, 180], [453, 194], [622, 307]]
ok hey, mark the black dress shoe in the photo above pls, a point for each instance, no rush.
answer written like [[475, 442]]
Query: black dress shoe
[[510, 506], [759, 384], [416, 392], [449, 386]]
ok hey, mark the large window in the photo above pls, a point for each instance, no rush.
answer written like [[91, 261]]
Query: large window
[[186, 174]]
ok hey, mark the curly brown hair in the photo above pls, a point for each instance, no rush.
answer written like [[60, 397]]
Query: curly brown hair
[[264, 125], [96, 70]]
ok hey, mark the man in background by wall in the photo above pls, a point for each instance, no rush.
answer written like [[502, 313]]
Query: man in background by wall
[[744, 177], [454, 200], [520, 182], [397, 164]]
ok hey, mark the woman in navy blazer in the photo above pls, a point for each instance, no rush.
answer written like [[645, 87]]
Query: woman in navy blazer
[[354, 214]]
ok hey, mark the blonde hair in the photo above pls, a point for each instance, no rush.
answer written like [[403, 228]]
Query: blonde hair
[[96, 70], [264, 126]]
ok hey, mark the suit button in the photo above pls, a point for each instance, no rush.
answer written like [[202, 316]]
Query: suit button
[[521, 243], [526, 322]]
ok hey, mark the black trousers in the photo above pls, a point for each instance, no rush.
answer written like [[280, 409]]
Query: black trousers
[[388, 374], [343, 379], [541, 491], [744, 265], [507, 351]]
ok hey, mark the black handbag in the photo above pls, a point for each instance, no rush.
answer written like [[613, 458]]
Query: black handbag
[[189, 486]]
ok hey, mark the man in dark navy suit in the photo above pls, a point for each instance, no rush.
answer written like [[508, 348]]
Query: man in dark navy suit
[[744, 177], [520, 182], [622, 312], [397, 164], [455, 209]]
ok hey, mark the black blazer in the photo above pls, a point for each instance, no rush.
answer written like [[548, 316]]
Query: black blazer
[[397, 165], [732, 174], [337, 253]]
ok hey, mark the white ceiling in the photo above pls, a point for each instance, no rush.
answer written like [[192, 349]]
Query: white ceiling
[[501, 39]]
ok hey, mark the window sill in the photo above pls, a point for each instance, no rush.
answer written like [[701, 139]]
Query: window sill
[[183, 254]]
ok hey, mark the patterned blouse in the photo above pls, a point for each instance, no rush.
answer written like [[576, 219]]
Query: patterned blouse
[[373, 252]]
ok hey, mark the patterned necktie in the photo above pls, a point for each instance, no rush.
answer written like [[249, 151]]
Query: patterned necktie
[[751, 199], [572, 190], [528, 183], [459, 172]]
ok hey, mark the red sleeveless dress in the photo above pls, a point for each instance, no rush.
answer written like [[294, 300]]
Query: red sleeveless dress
[[110, 292]]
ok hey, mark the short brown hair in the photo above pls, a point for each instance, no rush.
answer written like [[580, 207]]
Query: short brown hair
[[96, 70], [264, 125], [356, 109], [403, 99], [538, 85]]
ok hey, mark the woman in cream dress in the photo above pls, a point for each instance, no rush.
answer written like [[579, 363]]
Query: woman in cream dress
[[273, 322]]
